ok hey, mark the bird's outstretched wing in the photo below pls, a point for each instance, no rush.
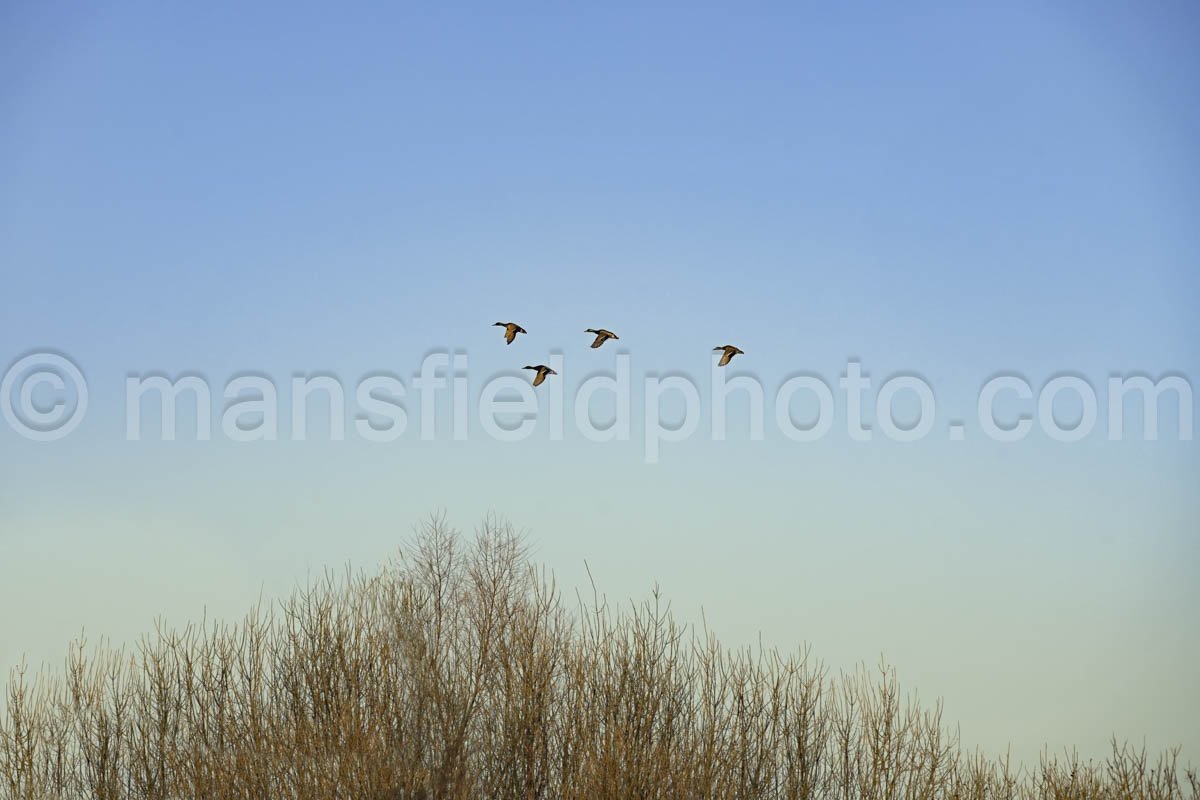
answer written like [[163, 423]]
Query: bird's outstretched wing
[[510, 333], [725, 358], [601, 338], [541, 376]]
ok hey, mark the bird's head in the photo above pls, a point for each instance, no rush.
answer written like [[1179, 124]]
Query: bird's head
[[501, 324]]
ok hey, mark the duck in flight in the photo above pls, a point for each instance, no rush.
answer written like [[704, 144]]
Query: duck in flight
[[729, 352], [542, 371], [602, 336], [511, 329]]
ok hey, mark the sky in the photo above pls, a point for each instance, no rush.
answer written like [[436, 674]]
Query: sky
[[945, 192]]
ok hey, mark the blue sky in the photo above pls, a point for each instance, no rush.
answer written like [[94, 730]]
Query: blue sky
[[952, 192]]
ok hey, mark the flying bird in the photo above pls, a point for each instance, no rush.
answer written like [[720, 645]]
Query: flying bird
[[511, 329], [602, 336], [542, 371], [730, 351]]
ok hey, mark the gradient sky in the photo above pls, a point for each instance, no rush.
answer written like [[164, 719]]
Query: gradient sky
[[951, 192]]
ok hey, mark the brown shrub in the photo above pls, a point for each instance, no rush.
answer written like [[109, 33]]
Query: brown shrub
[[459, 672]]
